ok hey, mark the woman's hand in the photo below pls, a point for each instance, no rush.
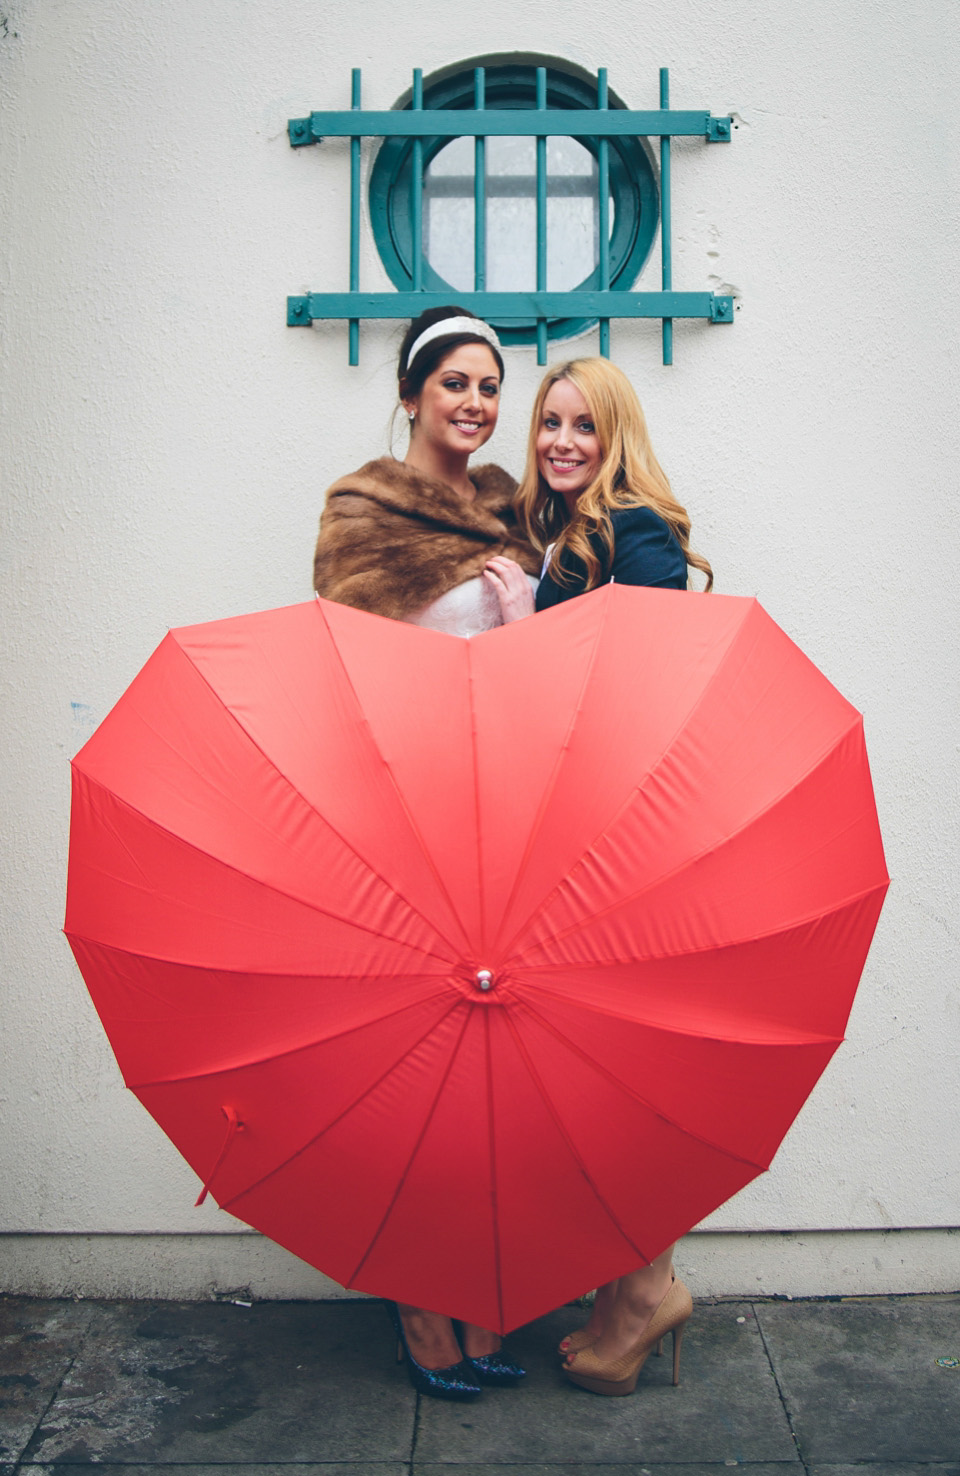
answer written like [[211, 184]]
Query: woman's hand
[[512, 586]]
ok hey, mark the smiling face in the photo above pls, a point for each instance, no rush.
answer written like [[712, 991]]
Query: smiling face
[[569, 454], [457, 409]]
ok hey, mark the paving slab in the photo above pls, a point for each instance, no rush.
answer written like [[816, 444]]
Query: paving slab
[[625, 1468], [726, 1408], [888, 1468], [860, 1378], [286, 1468], [205, 1383], [38, 1342]]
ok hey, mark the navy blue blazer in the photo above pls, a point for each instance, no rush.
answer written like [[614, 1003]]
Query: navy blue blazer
[[645, 551]]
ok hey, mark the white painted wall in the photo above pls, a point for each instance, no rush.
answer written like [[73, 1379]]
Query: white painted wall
[[166, 440]]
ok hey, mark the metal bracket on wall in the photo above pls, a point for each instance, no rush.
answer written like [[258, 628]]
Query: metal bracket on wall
[[600, 124]]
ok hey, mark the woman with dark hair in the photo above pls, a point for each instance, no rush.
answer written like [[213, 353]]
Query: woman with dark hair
[[410, 540], [597, 503]]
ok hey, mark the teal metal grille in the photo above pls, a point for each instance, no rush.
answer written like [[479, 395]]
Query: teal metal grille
[[541, 122]]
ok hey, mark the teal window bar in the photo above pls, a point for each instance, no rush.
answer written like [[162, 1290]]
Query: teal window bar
[[602, 123], [509, 190]]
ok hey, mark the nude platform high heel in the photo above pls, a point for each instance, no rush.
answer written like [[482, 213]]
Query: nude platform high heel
[[620, 1376], [575, 1342]]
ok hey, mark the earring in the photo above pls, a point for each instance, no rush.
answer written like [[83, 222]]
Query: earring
[[411, 416]]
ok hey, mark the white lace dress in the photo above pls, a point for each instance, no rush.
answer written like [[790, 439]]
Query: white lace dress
[[466, 610]]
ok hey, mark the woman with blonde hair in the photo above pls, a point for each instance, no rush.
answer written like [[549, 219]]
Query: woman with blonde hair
[[593, 496], [595, 500]]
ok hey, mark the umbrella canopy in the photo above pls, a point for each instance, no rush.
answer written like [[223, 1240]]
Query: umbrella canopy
[[476, 972]]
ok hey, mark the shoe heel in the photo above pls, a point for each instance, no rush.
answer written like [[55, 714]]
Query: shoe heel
[[677, 1340]]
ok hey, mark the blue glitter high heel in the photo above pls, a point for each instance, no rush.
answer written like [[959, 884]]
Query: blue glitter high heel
[[491, 1368], [456, 1382], [496, 1368]]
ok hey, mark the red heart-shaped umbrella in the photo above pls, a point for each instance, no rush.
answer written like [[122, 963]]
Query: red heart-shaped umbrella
[[476, 972]]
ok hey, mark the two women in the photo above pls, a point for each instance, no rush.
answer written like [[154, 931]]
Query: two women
[[428, 541]]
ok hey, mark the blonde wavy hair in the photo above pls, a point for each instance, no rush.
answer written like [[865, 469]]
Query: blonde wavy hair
[[629, 475]]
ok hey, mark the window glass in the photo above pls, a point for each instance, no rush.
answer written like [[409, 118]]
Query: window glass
[[511, 211], [573, 243]]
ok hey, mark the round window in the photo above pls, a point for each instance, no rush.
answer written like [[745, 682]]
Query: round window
[[573, 250]]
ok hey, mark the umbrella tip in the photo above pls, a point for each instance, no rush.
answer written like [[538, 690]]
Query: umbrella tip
[[484, 979]]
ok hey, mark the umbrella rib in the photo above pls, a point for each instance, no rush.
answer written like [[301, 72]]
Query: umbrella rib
[[239, 972], [793, 926], [478, 829], [494, 1194], [401, 798], [476, 796], [413, 1153], [571, 1149], [690, 861], [346, 978], [635, 1096], [805, 1039], [312, 808], [272, 887], [367, 1091], [286, 1055]]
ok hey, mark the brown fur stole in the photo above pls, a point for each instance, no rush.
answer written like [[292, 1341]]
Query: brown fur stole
[[392, 540]]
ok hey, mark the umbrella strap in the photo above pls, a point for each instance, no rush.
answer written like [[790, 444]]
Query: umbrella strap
[[234, 1125]]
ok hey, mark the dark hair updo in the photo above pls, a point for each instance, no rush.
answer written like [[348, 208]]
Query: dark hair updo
[[410, 384]]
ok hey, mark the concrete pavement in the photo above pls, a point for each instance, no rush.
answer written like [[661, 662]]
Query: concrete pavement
[[830, 1388]]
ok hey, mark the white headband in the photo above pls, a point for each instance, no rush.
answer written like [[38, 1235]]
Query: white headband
[[475, 326]]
